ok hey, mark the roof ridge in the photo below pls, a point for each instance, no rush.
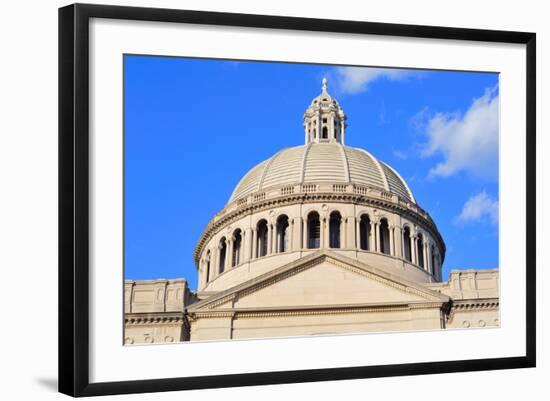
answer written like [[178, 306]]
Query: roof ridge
[[304, 158], [266, 167], [402, 181], [346, 161], [377, 163]]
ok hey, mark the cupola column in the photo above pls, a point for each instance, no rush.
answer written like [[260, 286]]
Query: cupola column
[[343, 130]]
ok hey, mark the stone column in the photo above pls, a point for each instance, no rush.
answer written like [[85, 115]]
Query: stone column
[[392, 250], [274, 239], [377, 237], [398, 242], [372, 237], [358, 233], [343, 232], [228, 255], [343, 125], [215, 266], [254, 244], [246, 244], [414, 250], [269, 241], [321, 232], [297, 242], [327, 233], [304, 233], [429, 258], [319, 126], [426, 260], [350, 232]]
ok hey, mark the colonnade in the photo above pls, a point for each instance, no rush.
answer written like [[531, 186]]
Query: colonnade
[[266, 238]]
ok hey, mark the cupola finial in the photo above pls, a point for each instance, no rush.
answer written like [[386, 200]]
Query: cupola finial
[[324, 119]]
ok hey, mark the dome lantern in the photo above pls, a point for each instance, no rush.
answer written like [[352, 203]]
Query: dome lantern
[[324, 119]]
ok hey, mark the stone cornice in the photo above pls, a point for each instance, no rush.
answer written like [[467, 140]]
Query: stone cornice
[[154, 318], [472, 304], [214, 226], [313, 310]]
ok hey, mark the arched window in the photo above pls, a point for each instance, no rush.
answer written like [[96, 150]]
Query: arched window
[[208, 266], [261, 242], [420, 250], [237, 241], [223, 253], [315, 132], [384, 237], [334, 229], [364, 232], [325, 132], [313, 230], [282, 233], [407, 244]]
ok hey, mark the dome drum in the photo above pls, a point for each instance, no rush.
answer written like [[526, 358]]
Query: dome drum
[[302, 193], [384, 249]]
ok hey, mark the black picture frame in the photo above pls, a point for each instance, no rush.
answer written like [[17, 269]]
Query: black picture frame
[[74, 194]]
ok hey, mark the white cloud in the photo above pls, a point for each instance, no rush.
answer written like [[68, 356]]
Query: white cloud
[[399, 154], [353, 80], [478, 208], [468, 142]]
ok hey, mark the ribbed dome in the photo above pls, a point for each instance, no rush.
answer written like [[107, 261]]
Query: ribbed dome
[[321, 162]]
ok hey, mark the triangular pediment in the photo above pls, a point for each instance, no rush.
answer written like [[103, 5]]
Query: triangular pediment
[[322, 279]]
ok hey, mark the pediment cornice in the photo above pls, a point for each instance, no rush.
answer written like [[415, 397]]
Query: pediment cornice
[[286, 271]]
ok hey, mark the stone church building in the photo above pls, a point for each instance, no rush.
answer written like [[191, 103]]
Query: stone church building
[[321, 238]]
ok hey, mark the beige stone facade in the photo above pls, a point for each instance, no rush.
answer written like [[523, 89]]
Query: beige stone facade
[[318, 239]]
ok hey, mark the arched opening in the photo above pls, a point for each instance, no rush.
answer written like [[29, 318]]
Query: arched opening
[[420, 250], [334, 229], [313, 230], [364, 232], [207, 266], [325, 132], [237, 241], [407, 254], [261, 242], [315, 133], [223, 253], [384, 237], [282, 233]]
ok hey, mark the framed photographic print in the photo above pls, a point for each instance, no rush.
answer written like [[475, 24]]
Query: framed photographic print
[[290, 198]]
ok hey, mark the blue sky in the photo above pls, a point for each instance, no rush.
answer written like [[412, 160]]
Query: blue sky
[[194, 127]]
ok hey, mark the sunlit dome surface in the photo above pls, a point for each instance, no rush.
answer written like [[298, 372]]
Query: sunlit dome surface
[[322, 162]]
